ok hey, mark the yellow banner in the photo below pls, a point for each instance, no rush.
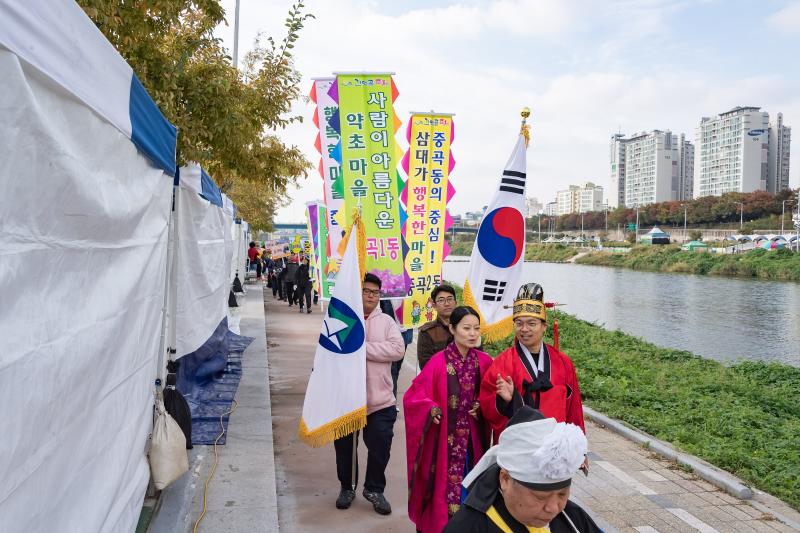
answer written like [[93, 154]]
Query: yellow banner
[[428, 165]]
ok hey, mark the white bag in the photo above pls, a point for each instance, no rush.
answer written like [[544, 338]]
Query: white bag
[[168, 458]]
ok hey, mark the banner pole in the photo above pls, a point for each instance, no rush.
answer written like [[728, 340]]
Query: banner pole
[[355, 462]]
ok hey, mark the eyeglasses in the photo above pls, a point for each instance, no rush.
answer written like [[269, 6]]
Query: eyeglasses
[[370, 292], [447, 300], [529, 324]]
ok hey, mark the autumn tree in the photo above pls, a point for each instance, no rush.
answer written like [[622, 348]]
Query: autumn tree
[[227, 119]]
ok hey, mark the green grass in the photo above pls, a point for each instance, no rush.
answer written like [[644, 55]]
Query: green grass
[[778, 265], [550, 253], [743, 418]]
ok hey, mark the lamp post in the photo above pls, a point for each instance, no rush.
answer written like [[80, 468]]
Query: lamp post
[[783, 212], [581, 225], [605, 210], [684, 222], [741, 214], [540, 227], [636, 240], [236, 36]]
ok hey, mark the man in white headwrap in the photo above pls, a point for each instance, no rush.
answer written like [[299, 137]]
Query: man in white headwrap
[[523, 483]]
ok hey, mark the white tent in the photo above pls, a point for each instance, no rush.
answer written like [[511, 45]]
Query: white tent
[[84, 209]]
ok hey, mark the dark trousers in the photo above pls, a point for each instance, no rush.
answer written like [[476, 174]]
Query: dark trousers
[[408, 336], [288, 290], [258, 269], [304, 292], [378, 435]]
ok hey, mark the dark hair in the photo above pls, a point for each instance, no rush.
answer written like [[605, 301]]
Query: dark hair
[[442, 288], [460, 312], [369, 277], [252, 243]]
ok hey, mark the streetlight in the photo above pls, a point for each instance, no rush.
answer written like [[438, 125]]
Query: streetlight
[[741, 214], [540, 225], [685, 207], [783, 212], [636, 240], [581, 225]]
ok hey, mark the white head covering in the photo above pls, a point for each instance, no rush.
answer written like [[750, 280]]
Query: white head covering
[[542, 454]]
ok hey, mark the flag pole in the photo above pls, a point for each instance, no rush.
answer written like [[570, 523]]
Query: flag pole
[[355, 433]]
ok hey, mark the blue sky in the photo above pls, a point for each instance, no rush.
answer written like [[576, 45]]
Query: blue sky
[[585, 68]]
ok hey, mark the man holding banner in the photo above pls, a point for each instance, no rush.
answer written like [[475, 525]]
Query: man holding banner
[[384, 345], [350, 387]]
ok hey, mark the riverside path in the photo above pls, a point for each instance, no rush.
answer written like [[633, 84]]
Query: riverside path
[[628, 489]]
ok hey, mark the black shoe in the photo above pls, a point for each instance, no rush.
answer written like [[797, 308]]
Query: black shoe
[[346, 497], [309, 311], [378, 502]]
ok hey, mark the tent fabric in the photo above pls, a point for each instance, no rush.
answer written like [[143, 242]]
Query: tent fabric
[[61, 42], [83, 245], [193, 177], [200, 270]]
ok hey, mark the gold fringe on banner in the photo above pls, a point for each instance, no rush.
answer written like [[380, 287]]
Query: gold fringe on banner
[[490, 332], [335, 429], [361, 241]]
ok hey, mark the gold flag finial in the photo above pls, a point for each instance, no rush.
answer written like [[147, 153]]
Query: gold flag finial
[[525, 130]]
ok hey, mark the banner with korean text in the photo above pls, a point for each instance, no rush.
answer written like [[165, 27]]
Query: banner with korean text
[[369, 155], [428, 164], [327, 145], [327, 273], [312, 244]]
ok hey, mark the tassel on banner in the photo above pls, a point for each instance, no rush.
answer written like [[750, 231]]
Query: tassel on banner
[[335, 429], [490, 332]]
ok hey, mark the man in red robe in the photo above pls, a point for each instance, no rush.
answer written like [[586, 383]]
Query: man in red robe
[[530, 372]]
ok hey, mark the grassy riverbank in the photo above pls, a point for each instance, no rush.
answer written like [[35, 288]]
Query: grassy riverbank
[[743, 418], [778, 265], [550, 253]]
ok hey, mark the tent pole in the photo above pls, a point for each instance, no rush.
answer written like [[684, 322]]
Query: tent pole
[[166, 317]]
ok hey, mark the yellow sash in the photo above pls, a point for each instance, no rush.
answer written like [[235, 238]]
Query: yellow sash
[[495, 517]]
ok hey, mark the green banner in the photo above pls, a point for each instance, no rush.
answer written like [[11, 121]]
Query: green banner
[[369, 170]]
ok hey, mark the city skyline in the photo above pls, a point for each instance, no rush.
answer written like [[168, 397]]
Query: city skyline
[[583, 74]]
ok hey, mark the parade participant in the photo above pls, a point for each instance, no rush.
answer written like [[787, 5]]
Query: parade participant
[[252, 255], [522, 485], [530, 372], [445, 435], [384, 344], [302, 279], [288, 282], [435, 335]]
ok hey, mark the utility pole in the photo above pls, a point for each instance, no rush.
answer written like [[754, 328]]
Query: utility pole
[[783, 212], [741, 215], [636, 240], [236, 37], [684, 222], [540, 226]]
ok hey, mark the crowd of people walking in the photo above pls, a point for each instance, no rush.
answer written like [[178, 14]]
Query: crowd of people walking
[[491, 444]]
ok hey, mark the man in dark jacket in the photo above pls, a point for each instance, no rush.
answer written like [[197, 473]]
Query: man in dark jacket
[[303, 281], [289, 281], [435, 335]]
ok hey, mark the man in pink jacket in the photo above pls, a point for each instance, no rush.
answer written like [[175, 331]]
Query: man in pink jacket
[[384, 345]]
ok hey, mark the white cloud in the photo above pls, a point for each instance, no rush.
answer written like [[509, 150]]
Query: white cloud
[[455, 59], [787, 20]]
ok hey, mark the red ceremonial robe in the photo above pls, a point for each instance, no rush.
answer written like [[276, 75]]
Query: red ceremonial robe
[[562, 401], [427, 506]]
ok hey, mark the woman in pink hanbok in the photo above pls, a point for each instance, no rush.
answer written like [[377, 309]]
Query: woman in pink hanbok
[[445, 435]]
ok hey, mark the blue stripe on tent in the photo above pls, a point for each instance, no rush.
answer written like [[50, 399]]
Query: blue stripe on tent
[[177, 181], [150, 131], [210, 190]]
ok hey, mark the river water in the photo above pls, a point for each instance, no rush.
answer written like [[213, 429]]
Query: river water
[[726, 319]]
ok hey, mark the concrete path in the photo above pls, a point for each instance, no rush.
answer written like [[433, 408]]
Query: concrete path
[[628, 489], [241, 495]]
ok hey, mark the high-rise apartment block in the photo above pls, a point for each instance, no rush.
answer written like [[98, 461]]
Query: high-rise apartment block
[[575, 199], [780, 138], [650, 167], [741, 151]]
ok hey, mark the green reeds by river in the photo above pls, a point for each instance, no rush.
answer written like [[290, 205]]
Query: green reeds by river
[[781, 264]]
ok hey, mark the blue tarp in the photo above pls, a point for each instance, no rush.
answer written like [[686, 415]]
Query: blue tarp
[[209, 378]]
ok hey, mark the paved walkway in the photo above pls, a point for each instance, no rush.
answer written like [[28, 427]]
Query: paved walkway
[[628, 489]]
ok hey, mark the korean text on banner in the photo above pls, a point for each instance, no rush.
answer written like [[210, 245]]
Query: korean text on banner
[[428, 165], [327, 276], [369, 167], [312, 248], [330, 166]]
